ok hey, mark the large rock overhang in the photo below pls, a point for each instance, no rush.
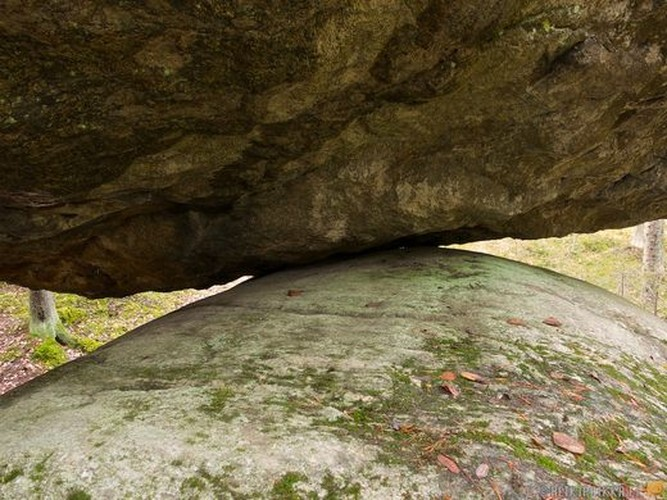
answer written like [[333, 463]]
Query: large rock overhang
[[163, 145]]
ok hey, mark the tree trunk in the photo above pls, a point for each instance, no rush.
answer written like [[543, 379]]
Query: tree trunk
[[653, 263], [44, 320], [638, 237]]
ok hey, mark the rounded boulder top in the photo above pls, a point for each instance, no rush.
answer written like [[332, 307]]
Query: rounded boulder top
[[415, 373]]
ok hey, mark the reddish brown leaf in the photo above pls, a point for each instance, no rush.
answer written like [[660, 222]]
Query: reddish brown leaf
[[452, 390], [524, 400], [482, 471], [568, 443], [574, 396], [551, 321], [579, 387], [408, 428], [516, 322], [558, 376], [473, 377], [537, 441], [294, 293], [448, 376], [445, 461]]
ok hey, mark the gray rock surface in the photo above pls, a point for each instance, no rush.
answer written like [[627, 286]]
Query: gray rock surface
[[165, 145], [325, 382]]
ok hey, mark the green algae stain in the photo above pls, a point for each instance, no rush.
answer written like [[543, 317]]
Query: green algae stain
[[220, 485], [284, 488], [217, 404], [193, 483], [39, 470], [9, 476], [460, 351], [338, 488], [331, 488], [135, 407], [78, 494]]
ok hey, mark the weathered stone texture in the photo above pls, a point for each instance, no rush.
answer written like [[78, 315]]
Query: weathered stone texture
[[325, 382], [160, 145]]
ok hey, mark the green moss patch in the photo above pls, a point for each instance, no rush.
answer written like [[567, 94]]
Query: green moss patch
[[50, 354]]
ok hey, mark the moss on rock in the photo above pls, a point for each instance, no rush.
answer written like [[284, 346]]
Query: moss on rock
[[354, 387]]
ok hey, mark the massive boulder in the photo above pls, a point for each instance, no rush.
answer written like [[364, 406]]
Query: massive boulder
[[164, 144], [336, 382]]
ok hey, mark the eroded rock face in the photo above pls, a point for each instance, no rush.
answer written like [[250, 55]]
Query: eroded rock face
[[327, 380], [162, 145]]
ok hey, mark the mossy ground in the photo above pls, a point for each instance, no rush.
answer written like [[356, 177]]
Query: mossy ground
[[92, 323]]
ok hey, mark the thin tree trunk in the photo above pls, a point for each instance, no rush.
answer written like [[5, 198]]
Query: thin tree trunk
[[638, 237], [653, 263], [44, 320]]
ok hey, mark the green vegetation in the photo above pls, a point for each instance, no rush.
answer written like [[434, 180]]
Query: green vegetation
[[89, 323], [217, 401], [339, 488], [50, 353], [101, 320], [283, 488], [334, 488], [605, 259], [78, 494], [39, 470], [10, 475]]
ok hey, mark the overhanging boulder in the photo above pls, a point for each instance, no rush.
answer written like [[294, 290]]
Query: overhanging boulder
[[328, 380], [162, 145]]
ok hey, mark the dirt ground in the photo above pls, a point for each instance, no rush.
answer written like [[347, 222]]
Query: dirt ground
[[13, 337]]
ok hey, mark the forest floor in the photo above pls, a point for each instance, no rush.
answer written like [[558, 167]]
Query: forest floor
[[604, 259], [92, 322]]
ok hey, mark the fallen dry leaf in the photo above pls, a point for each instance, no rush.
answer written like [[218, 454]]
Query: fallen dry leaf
[[551, 321], [452, 390], [574, 396], [445, 461], [374, 304], [482, 471], [568, 443], [537, 441], [473, 377], [655, 488], [558, 376], [516, 322], [448, 376], [595, 376], [294, 293], [577, 387], [408, 428]]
